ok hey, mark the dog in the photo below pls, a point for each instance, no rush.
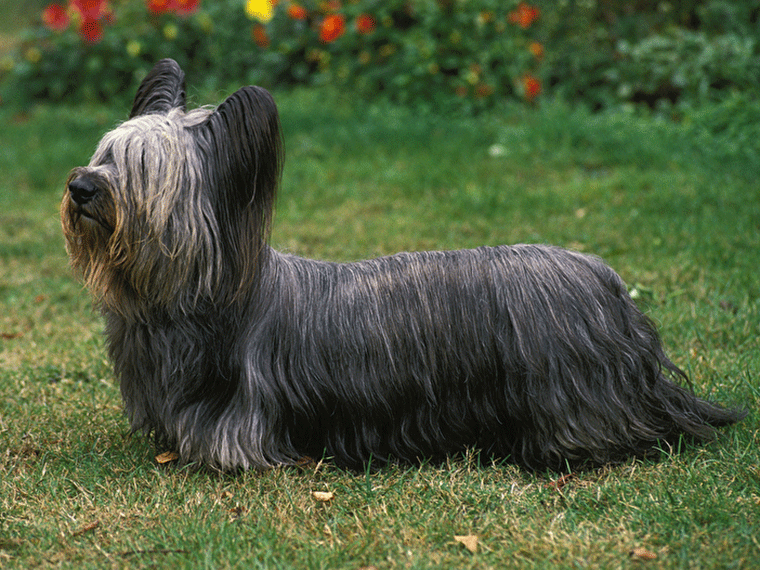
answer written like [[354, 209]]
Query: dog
[[237, 356]]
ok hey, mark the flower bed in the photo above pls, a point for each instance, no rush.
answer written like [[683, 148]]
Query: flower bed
[[467, 54], [464, 54]]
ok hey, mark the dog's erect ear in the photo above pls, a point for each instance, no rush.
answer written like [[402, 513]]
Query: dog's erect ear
[[243, 136], [241, 145], [162, 89]]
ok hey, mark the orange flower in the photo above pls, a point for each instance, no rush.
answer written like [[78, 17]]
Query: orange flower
[[259, 34], [537, 50], [55, 17], [365, 24], [297, 12], [524, 15], [531, 86], [332, 28]]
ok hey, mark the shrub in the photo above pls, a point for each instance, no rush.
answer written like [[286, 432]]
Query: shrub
[[463, 53], [102, 50], [655, 53]]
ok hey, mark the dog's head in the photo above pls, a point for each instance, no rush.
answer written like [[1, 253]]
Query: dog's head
[[175, 206]]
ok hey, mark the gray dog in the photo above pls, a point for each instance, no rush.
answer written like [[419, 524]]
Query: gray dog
[[238, 356]]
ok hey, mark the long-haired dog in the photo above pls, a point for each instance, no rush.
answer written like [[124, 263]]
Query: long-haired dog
[[238, 356]]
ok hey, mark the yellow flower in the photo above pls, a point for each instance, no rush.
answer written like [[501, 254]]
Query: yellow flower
[[261, 10], [33, 55], [134, 48], [7, 63], [205, 22], [171, 32]]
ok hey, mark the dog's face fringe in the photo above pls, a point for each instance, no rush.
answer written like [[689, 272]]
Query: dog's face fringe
[[238, 356], [145, 231]]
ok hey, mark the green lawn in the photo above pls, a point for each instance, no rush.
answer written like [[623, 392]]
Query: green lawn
[[674, 208]]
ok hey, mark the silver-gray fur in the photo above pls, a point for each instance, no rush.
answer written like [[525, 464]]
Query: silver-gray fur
[[239, 356]]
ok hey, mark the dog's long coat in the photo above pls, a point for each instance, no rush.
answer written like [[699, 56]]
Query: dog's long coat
[[239, 356]]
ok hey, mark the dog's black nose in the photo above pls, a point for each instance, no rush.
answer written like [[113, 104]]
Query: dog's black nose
[[82, 190]]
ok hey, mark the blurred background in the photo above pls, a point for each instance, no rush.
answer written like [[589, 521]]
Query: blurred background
[[463, 55]]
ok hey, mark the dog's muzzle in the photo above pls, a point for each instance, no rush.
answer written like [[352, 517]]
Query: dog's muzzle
[[82, 191]]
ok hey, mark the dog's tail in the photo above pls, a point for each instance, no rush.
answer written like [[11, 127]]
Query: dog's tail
[[688, 414], [654, 409], [599, 387], [668, 408], [669, 390]]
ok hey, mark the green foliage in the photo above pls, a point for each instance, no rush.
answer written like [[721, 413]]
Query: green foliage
[[438, 54], [434, 52], [658, 53], [61, 65]]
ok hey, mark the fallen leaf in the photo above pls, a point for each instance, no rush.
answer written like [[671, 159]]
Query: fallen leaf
[[640, 553], [470, 541], [305, 462], [561, 482], [86, 528], [167, 457], [323, 496]]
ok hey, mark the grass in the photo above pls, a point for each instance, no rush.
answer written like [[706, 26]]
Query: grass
[[671, 207]]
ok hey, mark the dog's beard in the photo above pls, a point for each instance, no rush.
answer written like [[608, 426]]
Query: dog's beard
[[86, 220], [89, 233]]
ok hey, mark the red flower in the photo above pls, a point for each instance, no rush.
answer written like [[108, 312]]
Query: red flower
[[186, 7], [332, 28], [90, 10], [91, 31], [365, 24], [55, 17], [260, 36], [91, 13], [532, 86], [524, 15], [297, 12], [160, 6]]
